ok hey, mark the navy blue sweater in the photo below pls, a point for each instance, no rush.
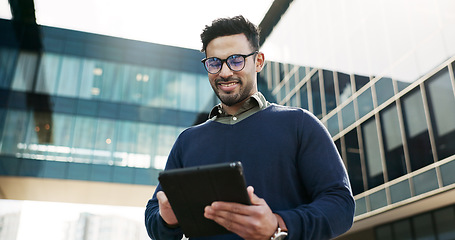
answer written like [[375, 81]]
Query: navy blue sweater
[[287, 156]]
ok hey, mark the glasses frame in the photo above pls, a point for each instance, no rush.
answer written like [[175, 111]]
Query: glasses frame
[[227, 63]]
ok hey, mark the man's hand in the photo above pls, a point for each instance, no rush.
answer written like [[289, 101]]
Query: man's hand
[[254, 222], [166, 211]]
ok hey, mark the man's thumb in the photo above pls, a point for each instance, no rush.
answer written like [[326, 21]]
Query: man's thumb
[[255, 200]]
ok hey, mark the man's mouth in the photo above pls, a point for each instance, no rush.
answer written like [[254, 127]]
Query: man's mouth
[[227, 86]]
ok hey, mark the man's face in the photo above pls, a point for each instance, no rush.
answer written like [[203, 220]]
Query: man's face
[[231, 87]]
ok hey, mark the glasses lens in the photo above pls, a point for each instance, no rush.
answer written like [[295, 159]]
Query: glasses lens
[[213, 65], [236, 62]]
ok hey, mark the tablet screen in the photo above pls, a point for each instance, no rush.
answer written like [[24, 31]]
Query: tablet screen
[[190, 190]]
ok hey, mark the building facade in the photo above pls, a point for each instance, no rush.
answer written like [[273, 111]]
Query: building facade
[[397, 140], [86, 109]]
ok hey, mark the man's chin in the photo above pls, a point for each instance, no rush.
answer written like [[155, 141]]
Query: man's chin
[[229, 100]]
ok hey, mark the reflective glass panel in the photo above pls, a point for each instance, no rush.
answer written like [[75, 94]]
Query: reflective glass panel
[[329, 91], [425, 182], [378, 199], [365, 103], [423, 227], [316, 95], [291, 83], [84, 139], [332, 125], [302, 73], [348, 115], [304, 97], [393, 145], [384, 90], [384, 232], [441, 100], [344, 86], [69, 77], [25, 71], [447, 171], [416, 130], [445, 223], [48, 73], [400, 191], [8, 59], [360, 206], [14, 132], [402, 85], [402, 230], [353, 161], [360, 81], [372, 154], [282, 71]]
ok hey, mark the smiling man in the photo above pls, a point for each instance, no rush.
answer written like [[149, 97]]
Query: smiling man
[[298, 185]]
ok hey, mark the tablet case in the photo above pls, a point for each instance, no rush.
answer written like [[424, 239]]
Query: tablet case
[[190, 190]]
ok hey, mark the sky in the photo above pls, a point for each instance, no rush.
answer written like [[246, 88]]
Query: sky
[[171, 22], [402, 39]]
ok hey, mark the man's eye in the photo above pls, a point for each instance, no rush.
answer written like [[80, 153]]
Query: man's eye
[[214, 64], [236, 60]]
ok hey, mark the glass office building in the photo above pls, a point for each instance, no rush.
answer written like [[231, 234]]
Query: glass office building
[[97, 108], [397, 140], [83, 107]]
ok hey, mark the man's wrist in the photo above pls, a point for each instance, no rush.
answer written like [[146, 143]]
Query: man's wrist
[[281, 223], [281, 231], [172, 226]]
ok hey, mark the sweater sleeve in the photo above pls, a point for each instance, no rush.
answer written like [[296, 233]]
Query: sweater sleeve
[[154, 223], [322, 172]]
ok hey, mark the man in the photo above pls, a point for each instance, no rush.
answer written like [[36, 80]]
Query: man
[[298, 185]]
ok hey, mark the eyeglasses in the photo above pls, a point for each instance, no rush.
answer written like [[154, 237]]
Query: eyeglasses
[[235, 62]]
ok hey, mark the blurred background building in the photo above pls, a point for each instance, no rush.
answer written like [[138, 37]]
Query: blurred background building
[[88, 118]]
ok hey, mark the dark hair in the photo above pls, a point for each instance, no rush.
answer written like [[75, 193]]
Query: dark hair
[[230, 26]]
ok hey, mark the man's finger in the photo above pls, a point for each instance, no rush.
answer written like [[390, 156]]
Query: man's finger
[[255, 200]]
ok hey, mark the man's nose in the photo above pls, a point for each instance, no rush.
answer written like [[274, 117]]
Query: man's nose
[[225, 70]]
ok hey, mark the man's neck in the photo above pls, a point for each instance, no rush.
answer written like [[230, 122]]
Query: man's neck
[[232, 110]]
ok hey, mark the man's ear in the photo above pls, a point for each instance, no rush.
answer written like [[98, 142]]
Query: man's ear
[[260, 61]]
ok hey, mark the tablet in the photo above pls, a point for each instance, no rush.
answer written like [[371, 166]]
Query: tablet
[[190, 190]]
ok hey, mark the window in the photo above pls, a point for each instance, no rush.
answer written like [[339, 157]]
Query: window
[[302, 73], [384, 233], [332, 125], [416, 130], [372, 154], [402, 230], [353, 161], [8, 59], [344, 86], [360, 81], [384, 90], [282, 67], [25, 71], [304, 97], [69, 78], [365, 103], [423, 227], [48, 73], [393, 145], [329, 91], [441, 103], [348, 115], [445, 223], [14, 133], [316, 95]]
